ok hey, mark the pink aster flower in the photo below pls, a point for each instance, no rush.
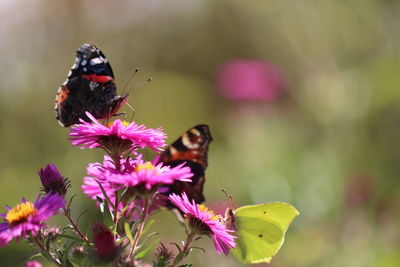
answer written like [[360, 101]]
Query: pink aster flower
[[28, 218], [98, 173], [149, 175], [117, 136], [204, 221]]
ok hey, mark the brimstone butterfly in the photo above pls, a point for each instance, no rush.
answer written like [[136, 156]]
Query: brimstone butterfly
[[260, 230]]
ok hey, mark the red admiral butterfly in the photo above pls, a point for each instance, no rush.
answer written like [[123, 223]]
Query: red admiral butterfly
[[192, 148], [89, 87]]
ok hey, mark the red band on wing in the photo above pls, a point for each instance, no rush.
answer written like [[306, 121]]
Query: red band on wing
[[98, 78]]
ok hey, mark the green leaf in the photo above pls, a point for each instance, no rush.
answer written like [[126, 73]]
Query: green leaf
[[148, 225], [128, 232], [162, 262], [108, 216], [146, 239], [146, 250], [261, 230], [106, 198], [72, 238]]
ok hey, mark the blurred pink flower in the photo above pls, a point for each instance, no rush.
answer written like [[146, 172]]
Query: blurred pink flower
[[33, 264], [249, 80]]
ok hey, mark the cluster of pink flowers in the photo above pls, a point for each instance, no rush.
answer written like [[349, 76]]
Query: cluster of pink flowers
[[131, 187], [139, 176]]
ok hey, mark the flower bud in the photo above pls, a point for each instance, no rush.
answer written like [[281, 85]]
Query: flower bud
[[52, 180], [104, 243]]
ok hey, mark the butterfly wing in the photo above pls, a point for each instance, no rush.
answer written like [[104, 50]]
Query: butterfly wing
[[89, 87], [91, 62], [192, 149], [261, 230]]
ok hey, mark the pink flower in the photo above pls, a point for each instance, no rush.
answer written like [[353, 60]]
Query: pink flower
[[249, 80], [33, 264], [117, 137], [28, 218], [204, 221], [133, 209], [149, 175], [98, 174]]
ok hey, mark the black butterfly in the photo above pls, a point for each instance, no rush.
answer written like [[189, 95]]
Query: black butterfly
[[89, 87]]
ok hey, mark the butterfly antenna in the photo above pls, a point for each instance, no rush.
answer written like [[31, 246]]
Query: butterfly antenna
[[129, 79], [142, 83], [228, 197]]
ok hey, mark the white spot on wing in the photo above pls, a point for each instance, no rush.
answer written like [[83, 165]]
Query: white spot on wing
[[173, 150], [195, 131], [83, 63], [96, 61], [187, 143]]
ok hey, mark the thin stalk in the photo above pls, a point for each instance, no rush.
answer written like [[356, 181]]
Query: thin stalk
[[186, 249], [189, 240], [117, 163], [139, 231], [42, 248], [67, 214]]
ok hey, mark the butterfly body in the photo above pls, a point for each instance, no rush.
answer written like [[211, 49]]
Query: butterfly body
[[90, 87], [192, 150]]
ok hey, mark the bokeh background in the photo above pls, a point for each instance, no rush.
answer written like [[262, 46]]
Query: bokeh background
[[302, 97]]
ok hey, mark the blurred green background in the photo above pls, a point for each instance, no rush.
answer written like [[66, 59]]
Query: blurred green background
[[327, 143]]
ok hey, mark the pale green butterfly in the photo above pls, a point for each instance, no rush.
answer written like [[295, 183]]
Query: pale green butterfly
[[260, 230]]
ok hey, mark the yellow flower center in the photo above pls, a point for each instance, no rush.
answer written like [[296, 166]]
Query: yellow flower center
[[204, 208], [21, 212], [111, 123], [148, 166]]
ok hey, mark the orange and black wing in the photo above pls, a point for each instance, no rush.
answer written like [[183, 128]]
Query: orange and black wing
[[192, 149]]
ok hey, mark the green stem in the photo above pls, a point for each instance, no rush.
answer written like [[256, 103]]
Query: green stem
[[186, 249], [42, 248], [189, 240], [139, 231], [117, 163], [67, 214]]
